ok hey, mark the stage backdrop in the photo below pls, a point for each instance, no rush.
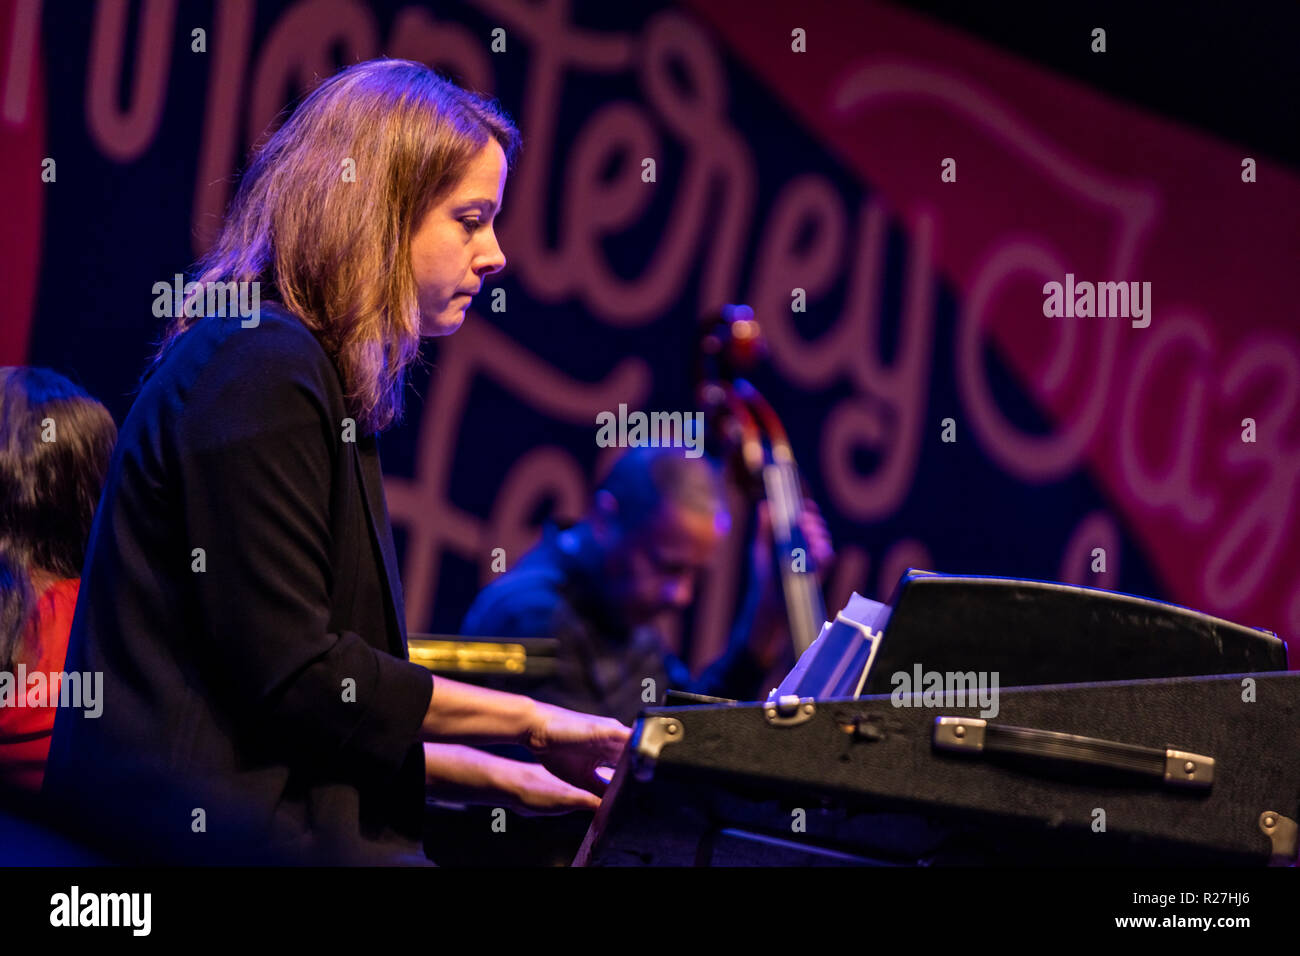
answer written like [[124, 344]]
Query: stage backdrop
[[890, 192]]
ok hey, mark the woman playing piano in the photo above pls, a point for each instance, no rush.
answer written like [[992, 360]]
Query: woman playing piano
[[240, 595]]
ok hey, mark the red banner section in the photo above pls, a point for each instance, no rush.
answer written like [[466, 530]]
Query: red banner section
[[22, 152], [1186, 417]]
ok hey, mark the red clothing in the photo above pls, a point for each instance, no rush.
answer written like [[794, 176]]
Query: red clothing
[[25, 731]]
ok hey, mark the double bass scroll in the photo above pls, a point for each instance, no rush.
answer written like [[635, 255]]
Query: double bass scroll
[[744, 430]]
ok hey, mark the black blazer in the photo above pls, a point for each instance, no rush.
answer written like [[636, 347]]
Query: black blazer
[[241, 598]]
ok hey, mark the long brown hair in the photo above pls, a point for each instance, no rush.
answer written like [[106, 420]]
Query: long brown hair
[[55, 445], [336, 253]]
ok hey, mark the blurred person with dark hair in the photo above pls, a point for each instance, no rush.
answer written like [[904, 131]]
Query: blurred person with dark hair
[[55, 444], [603, 586], [241, 594]]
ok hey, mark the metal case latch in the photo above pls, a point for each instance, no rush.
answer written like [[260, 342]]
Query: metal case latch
[[1284, 834], [788, 710], [656, 733]]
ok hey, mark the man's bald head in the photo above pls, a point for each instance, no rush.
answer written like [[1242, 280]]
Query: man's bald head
[[646, 479], [659, 519]]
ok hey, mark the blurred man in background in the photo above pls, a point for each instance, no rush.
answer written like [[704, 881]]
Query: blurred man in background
[[603, 587]]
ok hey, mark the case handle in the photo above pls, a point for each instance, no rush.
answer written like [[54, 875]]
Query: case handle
[[1171, 767]]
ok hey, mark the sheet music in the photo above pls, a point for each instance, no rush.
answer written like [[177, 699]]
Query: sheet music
[[836, 663]]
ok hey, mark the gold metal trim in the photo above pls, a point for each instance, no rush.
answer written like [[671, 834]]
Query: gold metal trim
[[789, 710], [960, 733], [1185, 769], [476, 656], [1284, 834]]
